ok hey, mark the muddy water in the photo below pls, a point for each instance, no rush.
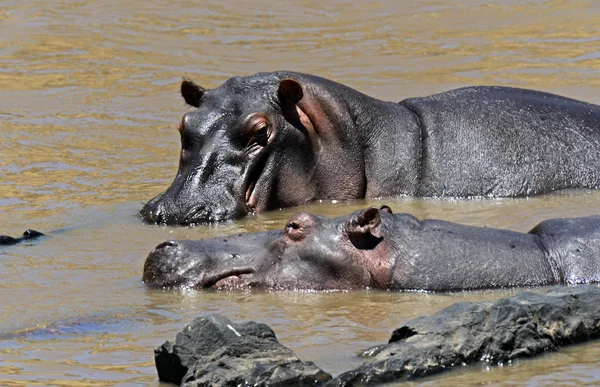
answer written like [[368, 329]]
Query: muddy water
[[88, 108]]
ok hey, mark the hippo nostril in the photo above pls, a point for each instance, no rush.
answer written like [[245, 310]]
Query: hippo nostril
[[154, 211], [158, 215], [166, 245]]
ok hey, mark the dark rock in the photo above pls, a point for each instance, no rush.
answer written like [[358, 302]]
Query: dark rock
[[213, 351], [524, 325]]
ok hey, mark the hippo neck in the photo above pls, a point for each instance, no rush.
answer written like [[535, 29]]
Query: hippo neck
[[335, 110], [377, 142]]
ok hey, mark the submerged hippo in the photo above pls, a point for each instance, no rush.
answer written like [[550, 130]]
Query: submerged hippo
[[377, 249], [283, 139], [6, 240]]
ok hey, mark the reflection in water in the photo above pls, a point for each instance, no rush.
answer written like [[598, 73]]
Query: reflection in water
[[88, 114]]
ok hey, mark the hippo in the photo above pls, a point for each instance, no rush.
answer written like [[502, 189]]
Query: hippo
[[283, 139], [6, 240], [374, 248]]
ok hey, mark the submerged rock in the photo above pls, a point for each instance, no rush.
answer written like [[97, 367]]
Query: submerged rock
[[524, 325], [213, 351]]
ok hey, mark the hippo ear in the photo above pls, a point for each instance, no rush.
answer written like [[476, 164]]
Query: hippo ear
[[191, 92], [364, 230], [385, 208], [367, 222], [289, 92]]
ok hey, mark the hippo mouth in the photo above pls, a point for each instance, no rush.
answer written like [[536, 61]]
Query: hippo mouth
[[249, 191], [228, 279], [251, 200]]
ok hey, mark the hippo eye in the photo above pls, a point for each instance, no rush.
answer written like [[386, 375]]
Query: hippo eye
[[259, 133]]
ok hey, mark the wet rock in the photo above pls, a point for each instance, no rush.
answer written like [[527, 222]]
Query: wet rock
[[524, 325], [213, 351]]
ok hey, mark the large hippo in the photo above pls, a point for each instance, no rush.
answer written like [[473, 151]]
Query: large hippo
[[377, 249], [283, 139]]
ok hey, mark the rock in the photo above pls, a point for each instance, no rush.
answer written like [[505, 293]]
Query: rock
[[213, 351], [524, 325]]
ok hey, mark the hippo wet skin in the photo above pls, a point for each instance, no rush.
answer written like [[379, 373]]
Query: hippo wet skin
[[377, 249], [283, 139]]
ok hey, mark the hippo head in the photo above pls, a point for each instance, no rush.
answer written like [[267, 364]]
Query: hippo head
[[310, 253], [245, 148]]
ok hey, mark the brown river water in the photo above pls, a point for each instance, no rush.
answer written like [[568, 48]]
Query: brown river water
[[88, 110]]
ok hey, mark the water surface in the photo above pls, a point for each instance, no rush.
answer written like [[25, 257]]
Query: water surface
[[88, 108]]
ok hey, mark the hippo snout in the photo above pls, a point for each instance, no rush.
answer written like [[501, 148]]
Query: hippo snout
[[174, 264], [153, 215], [194, 264], [162, 210], [156, 211], [164, 266]]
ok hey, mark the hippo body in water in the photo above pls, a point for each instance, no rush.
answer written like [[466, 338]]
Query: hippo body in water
[[284, 139], [6, 240], [374, 248]]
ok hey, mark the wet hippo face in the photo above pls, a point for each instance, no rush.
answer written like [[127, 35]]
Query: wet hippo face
[[244, 148], [311, 253]]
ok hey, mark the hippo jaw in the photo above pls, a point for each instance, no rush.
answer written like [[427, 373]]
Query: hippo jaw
[[230, 278]]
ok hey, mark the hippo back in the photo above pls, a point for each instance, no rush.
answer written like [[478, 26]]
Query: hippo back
[[502, 141], [573, 246]]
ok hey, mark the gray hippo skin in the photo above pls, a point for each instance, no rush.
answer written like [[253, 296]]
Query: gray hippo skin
[[284, 139], [377, 249]]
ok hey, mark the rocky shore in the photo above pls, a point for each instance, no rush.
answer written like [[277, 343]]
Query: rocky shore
[[213, 351]]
